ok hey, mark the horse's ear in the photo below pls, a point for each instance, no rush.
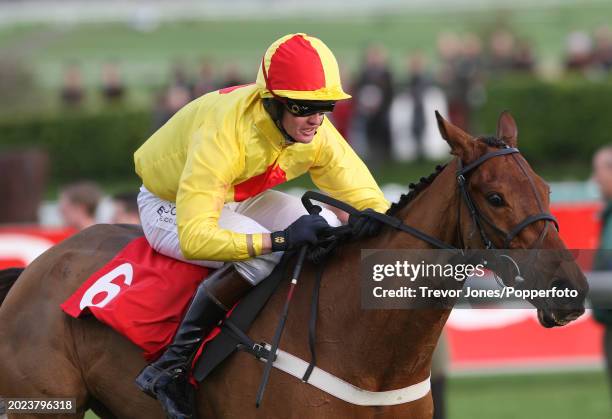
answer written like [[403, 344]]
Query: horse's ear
[[506, 129], [460, 142]]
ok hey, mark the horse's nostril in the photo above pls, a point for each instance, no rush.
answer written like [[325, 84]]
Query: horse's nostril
[[571, 298], [562, 284]]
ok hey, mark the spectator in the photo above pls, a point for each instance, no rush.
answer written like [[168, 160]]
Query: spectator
[[602, 56], [231, 76], [78, 203], [414, 128], [579, 52], [205, 82], [125, 208], [466, 89], [113, 89], [373, 96], [160, 113], [501, 53], [449, 51], [343, 111], [72, 93], [417, 84], [179, 76], [602, 174], [523, 60], [175, 98]]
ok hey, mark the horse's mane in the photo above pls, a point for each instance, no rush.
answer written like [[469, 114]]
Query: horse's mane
[[415, 188]]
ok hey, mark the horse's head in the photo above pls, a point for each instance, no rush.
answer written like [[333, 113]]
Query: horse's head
[[504, 204]]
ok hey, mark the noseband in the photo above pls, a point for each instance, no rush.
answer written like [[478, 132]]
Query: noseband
[[478, 217]]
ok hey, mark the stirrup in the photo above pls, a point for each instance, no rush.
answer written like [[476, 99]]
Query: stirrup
[[150, 376]]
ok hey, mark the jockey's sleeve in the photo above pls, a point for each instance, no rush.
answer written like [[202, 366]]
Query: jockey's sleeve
[[339, 172], [214, 160]]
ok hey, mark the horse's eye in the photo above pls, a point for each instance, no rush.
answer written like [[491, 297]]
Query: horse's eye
[[495, 199]]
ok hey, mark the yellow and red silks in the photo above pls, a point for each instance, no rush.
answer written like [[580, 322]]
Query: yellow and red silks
[[224, 147]]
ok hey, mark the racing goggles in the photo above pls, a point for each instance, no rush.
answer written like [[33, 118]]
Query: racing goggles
[[308, 107]]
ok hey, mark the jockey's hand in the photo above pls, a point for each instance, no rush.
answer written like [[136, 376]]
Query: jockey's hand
[[364, 226], [303, 231]]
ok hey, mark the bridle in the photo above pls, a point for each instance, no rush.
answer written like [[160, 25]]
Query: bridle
[[478, 218]]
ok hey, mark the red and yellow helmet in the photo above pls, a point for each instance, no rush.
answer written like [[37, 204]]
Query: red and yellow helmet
[[300, 67]]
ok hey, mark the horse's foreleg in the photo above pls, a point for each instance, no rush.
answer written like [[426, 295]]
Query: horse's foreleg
[[32, 381], [36, 357]]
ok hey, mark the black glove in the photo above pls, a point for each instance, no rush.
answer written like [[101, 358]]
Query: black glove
[[364, 226], [304, 230]]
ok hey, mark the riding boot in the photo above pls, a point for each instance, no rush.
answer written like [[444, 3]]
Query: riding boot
[[167, 379]]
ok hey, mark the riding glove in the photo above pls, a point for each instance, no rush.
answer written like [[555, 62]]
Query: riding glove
[[303, 231]]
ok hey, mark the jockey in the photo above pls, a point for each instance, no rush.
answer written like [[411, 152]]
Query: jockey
[[206, 196]]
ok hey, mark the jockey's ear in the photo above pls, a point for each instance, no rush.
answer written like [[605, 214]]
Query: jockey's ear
[[461, 143], [506, 129]]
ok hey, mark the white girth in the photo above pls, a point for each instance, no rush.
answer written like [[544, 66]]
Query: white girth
[[345, 391]]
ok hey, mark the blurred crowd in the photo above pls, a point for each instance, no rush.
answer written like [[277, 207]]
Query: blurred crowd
[[390, 116]]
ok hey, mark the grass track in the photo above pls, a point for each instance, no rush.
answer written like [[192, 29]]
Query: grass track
[[576, 395]]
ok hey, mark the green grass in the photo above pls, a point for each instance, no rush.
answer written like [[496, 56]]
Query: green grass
[[146, 57], [574, 395], [539, 396]]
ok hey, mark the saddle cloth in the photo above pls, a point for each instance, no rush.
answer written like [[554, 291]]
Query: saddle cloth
[[141, 294]]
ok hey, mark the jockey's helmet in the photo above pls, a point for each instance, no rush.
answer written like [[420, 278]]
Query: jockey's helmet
[[302, 73]]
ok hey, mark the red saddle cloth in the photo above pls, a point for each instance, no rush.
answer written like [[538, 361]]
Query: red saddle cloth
[[141, 294]]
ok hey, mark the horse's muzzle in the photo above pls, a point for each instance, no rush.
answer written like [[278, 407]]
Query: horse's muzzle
[[561, 311]]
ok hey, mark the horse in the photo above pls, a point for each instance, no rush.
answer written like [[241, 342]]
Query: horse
[[45, 353]]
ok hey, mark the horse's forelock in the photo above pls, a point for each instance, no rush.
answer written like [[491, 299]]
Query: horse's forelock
[[492, 141]]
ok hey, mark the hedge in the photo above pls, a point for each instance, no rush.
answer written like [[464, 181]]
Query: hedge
[[82, 145], [558, 122]]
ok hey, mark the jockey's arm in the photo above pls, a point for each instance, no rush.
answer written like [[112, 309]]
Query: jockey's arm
[[214, 160], [339, 172]]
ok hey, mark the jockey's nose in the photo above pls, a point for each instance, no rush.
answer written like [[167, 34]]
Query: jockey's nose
[[315, 119]]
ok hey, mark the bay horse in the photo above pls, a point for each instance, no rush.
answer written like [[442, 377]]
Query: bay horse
[[45, 353]]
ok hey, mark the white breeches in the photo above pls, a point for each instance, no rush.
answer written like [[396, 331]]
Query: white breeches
[[267, 212]]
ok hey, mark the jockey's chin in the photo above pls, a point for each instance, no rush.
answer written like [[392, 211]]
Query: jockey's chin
[[302, 128]]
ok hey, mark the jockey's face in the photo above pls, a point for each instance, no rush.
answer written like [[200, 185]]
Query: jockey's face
[[302, 128]]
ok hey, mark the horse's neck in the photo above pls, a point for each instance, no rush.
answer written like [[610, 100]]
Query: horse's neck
[[433, 211], [388, 349]]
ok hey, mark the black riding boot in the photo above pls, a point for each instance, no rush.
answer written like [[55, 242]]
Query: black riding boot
[[167, 379]]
